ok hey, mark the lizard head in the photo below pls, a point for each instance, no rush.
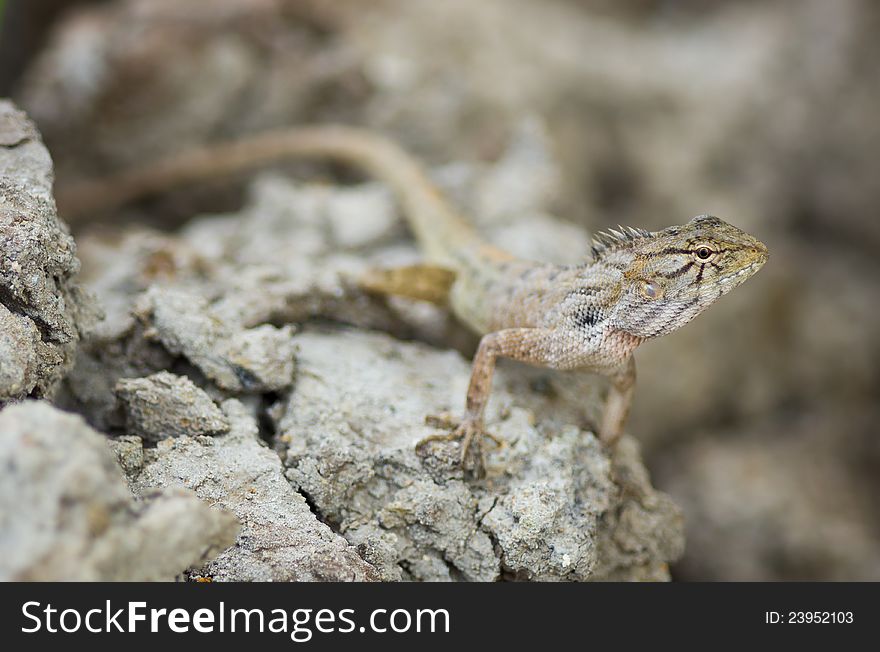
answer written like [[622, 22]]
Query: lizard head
[[671, 276]]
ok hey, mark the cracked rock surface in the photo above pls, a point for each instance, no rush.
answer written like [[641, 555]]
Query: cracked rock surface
[[553, 507], [43, 311], [66, 512], [280, 540]]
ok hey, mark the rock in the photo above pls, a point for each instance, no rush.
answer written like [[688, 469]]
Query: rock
[[802, 510], [161, 317], [281, 539], [67, 514], [550, 509], [43, 311], [20, 348], [164, 405], [102, 361], [359, 216], [259, 359], [129, 451], [263, 356]]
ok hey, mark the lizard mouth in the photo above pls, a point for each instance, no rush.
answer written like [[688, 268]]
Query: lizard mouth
[[746, 271]]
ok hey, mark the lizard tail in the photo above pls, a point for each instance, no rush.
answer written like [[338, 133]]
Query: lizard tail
[[438, 229]]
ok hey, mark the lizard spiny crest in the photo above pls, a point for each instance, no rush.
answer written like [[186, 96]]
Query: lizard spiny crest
[[605, 241]]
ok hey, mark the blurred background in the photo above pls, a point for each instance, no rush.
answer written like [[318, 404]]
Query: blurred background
[[761, 417]]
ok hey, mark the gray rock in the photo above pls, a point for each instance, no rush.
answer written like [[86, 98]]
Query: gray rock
[[101, 363], [281, 539], [264, 356], [20, 348], [553, 507], [43, 311], [259, 359], [67, 514], [165, 405], [129, 451]]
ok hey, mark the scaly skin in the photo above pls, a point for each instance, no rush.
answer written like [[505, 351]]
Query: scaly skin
[[638, 285]]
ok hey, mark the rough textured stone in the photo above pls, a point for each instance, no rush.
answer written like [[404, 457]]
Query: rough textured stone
[[164, 405], [67, 514], [43, 311], [259, 359], [550, 509], [20, 348], [280, 540]]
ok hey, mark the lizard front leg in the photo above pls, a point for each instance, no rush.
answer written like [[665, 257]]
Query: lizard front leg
[[523, 344], [623, 381]]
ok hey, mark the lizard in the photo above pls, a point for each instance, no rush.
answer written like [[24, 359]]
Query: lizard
[[636, 285]]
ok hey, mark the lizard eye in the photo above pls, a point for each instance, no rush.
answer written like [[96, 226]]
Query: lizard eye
[[651, 290], [704, 253]]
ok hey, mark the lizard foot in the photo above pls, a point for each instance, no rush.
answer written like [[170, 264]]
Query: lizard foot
[[470, 432]]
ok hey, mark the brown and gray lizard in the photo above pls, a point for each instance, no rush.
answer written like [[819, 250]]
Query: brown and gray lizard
[[636, 286]]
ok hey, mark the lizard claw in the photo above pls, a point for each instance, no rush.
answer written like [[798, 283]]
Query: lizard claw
[[470, 432]]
